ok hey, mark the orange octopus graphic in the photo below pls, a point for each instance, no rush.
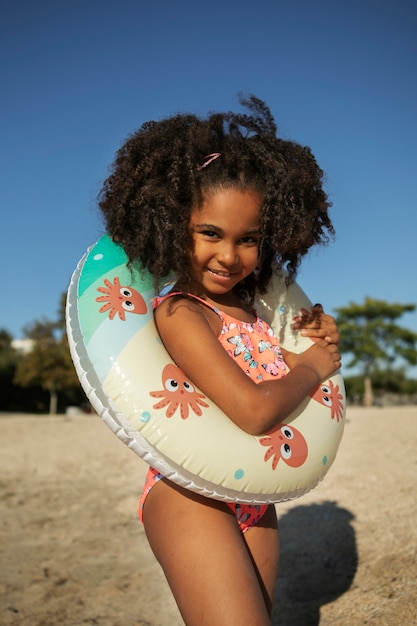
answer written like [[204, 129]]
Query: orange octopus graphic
[[120, 299], [330, 396], [286, 443], [177, 392]]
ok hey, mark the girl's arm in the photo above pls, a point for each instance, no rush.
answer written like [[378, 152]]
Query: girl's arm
[[190, 338]]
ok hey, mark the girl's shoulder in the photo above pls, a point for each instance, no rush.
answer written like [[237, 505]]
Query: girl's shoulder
[[177, 296], [179, 306]]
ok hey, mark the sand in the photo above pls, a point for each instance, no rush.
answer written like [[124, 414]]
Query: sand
[[73, 552]]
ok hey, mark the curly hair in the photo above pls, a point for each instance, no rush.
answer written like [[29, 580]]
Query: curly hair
[[156, 182]]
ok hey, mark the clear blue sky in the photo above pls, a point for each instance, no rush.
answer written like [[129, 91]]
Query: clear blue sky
[[77, 77]]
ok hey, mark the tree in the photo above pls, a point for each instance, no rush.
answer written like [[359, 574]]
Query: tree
[[8, 355], [369, 333], [49, 363], [9, 358]]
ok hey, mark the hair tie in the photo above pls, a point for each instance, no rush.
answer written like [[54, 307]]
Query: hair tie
[[208, 159]]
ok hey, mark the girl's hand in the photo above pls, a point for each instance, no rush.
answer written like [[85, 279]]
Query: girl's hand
[[322, 357], [317, 324]]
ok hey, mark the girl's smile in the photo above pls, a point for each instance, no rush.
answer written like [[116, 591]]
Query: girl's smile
[[226, 237]]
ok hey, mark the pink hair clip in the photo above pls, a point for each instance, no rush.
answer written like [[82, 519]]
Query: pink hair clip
[[208, 159]]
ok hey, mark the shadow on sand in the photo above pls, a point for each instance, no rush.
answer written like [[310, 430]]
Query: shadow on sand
[[318, 562]]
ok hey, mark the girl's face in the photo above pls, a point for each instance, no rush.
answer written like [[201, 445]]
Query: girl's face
[[226, 237]]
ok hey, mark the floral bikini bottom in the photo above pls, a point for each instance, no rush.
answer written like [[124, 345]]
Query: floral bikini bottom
[[247, 515]]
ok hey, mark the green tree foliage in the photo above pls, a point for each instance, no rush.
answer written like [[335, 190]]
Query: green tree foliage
[[371, 335], [9, 358], [387, 381], [8, 355], [48, 365]]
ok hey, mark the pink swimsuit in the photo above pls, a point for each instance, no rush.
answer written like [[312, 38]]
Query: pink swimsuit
[[254, 347]]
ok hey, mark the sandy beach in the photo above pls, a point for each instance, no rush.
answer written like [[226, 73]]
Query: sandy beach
[[73, 552]]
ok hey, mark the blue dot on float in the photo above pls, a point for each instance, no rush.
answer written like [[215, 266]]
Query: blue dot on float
[[98, 257], [324, 461], [145, 416], [239, 474]]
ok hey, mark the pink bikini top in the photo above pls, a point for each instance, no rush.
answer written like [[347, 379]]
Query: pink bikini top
[[253, 345]]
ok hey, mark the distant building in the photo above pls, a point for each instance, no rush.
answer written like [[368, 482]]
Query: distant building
[[24, 346]]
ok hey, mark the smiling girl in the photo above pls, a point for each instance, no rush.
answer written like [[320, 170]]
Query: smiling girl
[[216, 202]]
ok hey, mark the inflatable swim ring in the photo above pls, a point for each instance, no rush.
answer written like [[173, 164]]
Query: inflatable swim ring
[[146, 400]]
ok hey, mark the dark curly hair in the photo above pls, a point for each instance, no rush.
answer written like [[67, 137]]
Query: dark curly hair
[[156, 183]]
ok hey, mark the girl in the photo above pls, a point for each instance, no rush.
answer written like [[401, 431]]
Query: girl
[[217, 202]]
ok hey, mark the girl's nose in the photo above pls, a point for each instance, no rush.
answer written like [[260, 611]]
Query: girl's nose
[[228, 255]]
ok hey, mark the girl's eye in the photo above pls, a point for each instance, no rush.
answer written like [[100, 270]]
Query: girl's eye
[[209, 233], [250, 240]]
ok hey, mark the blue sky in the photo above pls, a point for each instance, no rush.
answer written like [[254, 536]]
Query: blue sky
[[78, 76]]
